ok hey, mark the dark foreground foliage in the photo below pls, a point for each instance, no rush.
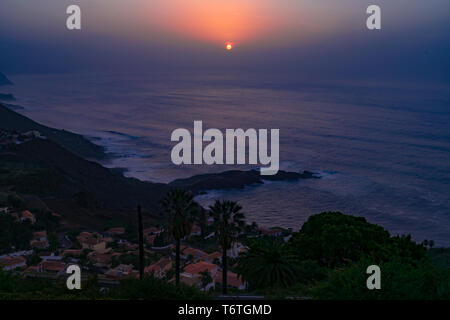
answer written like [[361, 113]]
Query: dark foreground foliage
[[13, 287], [328, 259]]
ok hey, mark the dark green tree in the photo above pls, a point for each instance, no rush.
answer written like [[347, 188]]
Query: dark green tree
[[229, 221], [334, 240], [180, 207]]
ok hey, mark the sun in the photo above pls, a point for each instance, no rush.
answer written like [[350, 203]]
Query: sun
[[229, 46]]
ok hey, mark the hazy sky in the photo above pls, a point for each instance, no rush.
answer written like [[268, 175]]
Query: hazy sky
[[320, 37]]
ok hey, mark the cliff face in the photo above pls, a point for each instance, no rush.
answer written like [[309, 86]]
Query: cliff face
[[4, 80], [43, 168]]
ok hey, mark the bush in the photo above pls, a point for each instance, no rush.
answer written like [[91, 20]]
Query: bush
[[151, 288], [399, 281]]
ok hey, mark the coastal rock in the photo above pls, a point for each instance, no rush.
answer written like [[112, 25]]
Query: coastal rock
[[235, 179]]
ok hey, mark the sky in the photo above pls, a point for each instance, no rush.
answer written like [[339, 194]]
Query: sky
[[323, 38]]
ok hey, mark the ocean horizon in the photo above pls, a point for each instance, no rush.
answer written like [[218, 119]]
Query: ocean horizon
[[383, 151]]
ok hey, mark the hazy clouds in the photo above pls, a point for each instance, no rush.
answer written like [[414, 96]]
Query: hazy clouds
[[321, 38]]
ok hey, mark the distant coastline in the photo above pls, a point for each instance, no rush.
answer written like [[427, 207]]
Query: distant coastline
[[55, 166]]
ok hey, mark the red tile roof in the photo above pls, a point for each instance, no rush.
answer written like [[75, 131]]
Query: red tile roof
[[40, 234], [27, 214], [162, 265], [52, 266], [10, 261], [198, 267], [195, 252], [233, 279], [119, 230]]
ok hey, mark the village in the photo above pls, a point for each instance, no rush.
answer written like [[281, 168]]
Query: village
[[14, 137], [110, 257]]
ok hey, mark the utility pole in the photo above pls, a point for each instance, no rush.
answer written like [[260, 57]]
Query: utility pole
[[141, 244]]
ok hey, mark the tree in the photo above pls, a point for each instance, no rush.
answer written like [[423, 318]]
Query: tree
[[179, 205], [16, 202], [431, 244], [228, 222], [267, 265], [335, 240]]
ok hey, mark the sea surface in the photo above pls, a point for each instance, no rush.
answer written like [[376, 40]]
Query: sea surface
[[383, 150]]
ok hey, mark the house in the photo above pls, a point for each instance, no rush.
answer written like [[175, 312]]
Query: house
[[192, 274], [151, 231], [116, 231], [52, 267], [196, 230], [150, 238], [128, 246], [102, 258], [195, 281], [195, 253], [91, 241], [50, 257], [122, 271], [196, 268], [19, 253], [214, 257], [94, 244], [27, 215], [39, 244], [12, 263], [57, 215], [73, 252], [39, 240], [40, 235], [160, 268], [236, 249], [273, 232], [233, 280], [108, 240]]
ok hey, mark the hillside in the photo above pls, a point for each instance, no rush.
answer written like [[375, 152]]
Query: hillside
[[13, 121], [43, 168]]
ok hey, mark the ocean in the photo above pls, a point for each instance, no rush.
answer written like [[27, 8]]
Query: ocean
[[382, 149]]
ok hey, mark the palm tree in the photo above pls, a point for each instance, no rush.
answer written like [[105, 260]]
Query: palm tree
[[179, 206], [267, 265], [228, 222]]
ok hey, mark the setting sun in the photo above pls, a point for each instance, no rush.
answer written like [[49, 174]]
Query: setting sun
[[229, 46]]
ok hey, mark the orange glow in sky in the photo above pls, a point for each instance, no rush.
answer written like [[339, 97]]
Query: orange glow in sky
[[215, 21], [229, 46]]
